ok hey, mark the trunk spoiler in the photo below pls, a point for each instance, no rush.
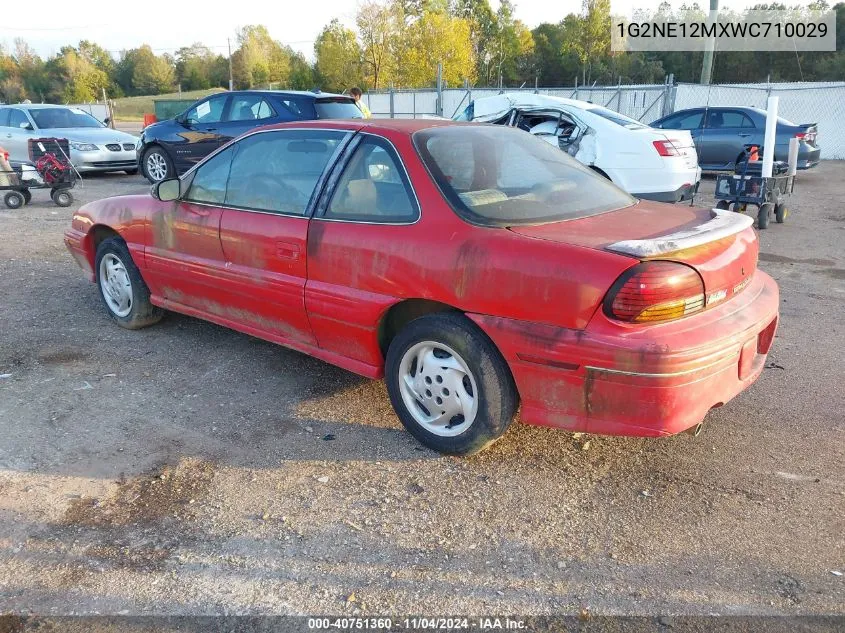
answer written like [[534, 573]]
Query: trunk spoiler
[[722, 224]]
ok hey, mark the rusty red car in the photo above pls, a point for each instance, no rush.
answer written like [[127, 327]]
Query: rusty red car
[[476, 268]]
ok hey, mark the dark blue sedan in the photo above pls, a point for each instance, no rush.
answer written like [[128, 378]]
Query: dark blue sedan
[[169, 148], [721, 133]]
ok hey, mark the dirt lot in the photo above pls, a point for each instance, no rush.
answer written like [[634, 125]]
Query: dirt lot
[[186, 468]]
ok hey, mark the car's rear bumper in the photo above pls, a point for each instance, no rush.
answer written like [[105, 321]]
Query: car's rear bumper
[[669, 183], [639, 380], [810, 158], [685, 192], [75, 243]]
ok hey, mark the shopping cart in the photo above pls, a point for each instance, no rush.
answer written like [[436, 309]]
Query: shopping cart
[[49, 167]]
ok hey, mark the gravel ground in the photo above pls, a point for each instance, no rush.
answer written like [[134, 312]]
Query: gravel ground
[[188, 469]]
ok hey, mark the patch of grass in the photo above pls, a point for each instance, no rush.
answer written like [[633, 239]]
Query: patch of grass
[[134, 108]]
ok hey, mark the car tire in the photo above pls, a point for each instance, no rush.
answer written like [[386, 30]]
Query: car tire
[[157, 165], [122, 289], [14, 200], [62, 197], [27, 196], [781, 213], [464, 374], [763, 215]]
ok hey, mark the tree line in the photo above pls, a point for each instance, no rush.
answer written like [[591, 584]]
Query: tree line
[[399, 43]]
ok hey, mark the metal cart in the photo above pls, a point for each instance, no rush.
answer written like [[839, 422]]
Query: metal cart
[[746, 186], [49, 168]]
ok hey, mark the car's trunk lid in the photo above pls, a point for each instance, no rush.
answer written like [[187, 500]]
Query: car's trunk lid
[[720, 245]]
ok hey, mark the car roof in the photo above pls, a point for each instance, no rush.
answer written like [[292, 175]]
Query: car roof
[[36, 106], [292, 93], [403, 126], [505, 102]]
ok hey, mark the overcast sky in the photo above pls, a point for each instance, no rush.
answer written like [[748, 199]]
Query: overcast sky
[[168, 25]]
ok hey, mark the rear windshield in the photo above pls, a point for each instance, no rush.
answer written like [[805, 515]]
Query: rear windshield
[[501, 176], [619, 119], [337, 108]]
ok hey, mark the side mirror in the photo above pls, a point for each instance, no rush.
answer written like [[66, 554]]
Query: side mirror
[[107, 120], [26, 126], [167, 190]]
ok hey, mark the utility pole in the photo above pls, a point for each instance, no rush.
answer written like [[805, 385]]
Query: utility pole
[[232, 83], [707, 66]]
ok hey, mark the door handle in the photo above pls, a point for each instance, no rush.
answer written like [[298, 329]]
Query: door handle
[[744, 135], [211, 129], [287, 250]]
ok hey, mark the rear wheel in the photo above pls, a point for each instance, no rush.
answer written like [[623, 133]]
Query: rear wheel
[[763, 215], [449, 384], [122, 289], [62, 198], [14, 200], [27, 196], [781, 213]]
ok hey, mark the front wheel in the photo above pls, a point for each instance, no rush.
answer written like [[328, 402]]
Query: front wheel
[[449, 385], [781, 213], [122, 289], [157, 165], [763, 215]]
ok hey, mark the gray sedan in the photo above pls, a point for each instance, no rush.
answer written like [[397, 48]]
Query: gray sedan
[[720, 134], [93, 146]]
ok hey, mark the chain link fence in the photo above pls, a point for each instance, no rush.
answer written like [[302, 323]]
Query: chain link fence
[[822, 103]]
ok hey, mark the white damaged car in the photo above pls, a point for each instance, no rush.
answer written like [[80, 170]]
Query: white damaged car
[[646, 162]]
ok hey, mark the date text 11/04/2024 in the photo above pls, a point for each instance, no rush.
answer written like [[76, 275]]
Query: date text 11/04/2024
[[416, 624]]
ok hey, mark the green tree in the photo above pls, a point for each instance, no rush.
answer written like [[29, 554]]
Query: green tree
[[338, 56], [379, 29], [259, 60], [74, 78], [151, 74]]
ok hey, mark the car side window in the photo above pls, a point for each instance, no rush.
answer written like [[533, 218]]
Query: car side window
[[250, 108], [683, 121], [17, 119], [373, 187], [297, 108], [209, 182], [209, 111], [728, 118], [4, 117], [277, 172]]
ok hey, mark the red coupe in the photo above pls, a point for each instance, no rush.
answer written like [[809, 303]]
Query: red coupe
[[475, 267]]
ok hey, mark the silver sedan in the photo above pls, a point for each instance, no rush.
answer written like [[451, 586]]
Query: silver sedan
[[93, 146]]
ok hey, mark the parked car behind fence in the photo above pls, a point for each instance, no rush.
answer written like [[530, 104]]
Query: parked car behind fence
[[720, 135]]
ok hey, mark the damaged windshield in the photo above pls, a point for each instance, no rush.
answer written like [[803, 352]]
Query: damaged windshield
[[501, 176]]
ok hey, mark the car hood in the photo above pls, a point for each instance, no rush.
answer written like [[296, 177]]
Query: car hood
[[96, 135]]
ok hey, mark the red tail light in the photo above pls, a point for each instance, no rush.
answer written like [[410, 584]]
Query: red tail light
[[666, 148], [655, 291], [809, 137]]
